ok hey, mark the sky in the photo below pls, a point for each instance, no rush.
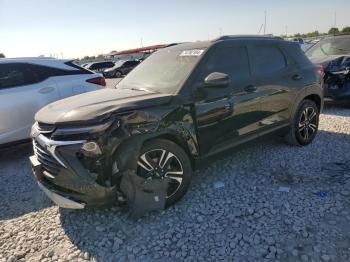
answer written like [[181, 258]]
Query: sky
[[75, 28]]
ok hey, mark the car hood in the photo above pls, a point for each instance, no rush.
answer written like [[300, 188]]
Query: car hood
[[333, 62], [94, 105]]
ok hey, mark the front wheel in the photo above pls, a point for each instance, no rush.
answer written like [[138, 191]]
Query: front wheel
[[304, 124], [161, 158], [118, 74]]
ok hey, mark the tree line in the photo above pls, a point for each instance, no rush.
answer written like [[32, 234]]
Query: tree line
[[331, 31]]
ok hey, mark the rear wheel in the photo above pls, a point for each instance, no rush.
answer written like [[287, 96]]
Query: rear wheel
[[305, 124], [161, 158]]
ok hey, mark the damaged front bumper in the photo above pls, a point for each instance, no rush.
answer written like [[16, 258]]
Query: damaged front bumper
[[61, 174]]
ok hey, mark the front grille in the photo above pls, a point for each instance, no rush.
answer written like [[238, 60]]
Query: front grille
[[48, 163], [45, 128]]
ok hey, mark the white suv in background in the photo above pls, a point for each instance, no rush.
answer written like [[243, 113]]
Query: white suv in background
[[28, 84]]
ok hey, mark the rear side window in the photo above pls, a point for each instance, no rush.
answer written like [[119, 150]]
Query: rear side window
[[229, 60], [298, 55], [43, 72], [268, 60], [14, 74]]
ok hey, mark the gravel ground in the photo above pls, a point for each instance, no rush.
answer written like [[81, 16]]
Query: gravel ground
[[233, 211]]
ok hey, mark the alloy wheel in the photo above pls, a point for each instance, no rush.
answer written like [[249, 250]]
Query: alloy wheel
[[160, 163], [308, 122]]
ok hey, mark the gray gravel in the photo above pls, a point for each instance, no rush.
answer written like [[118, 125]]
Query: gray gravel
[[245, 218]]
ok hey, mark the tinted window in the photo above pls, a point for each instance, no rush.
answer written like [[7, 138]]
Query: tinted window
[[128, 63], [96, 66], [268, 59], [43, 72], [13, 74], [229, 60]]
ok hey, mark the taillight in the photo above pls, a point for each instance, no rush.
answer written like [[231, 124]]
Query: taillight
[[97, 81], [320, 70]]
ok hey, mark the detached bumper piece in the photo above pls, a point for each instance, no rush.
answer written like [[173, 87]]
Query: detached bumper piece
[[60, 200]]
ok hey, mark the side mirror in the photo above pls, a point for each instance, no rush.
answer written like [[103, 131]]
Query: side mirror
[[217, 80]]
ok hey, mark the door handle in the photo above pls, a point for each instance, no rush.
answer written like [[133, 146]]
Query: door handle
[[46, 90], [297, 77], [250, 88]]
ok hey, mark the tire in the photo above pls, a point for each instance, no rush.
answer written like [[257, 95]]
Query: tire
[[152, 152], [304, 124], [118, 74]]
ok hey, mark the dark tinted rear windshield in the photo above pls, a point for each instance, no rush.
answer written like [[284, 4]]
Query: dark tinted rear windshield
[[164, 71]]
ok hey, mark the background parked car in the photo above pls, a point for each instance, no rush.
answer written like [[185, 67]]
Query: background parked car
[[99, 67], [333, 55], [28, 84], [121, 68]]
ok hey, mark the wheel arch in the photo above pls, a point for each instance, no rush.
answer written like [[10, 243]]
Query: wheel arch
[[317, 99], [177, 139]]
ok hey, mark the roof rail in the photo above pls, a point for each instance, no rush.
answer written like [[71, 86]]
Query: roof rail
[[232, 37]]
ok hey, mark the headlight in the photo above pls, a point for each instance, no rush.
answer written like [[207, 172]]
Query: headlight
[[83, 130], [91, 149]]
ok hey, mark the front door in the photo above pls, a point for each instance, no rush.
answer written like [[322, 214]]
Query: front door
[[230, 115]]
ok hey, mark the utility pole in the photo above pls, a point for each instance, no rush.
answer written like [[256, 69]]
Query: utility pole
[[335, 19], [141, 42], [286, 31], [220, 31], [265, 23]]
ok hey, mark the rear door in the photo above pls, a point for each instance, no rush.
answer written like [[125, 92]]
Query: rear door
[[227, 116], [22, 94], [275, 78]]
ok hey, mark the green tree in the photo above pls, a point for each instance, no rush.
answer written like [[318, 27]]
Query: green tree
[[2, 55], [346, 30], [333, 31]]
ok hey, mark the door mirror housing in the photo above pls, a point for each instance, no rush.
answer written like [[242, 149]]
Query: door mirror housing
[[217, 80]]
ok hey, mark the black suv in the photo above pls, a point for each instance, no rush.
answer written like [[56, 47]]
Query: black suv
[[120, 68], [181, 105]]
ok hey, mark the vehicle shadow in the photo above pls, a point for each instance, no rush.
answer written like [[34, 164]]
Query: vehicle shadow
[[19, 191], [109, 235]]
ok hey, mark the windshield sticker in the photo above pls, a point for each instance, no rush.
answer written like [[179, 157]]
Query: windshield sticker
[[194, 52]]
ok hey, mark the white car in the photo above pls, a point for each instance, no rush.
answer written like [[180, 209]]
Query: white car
[[28, 84]]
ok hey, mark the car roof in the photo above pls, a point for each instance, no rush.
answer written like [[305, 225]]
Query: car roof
[[45, 61], [207, 44]]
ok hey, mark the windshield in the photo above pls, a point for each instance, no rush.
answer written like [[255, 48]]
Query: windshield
[[164, 71], [330, 46]]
